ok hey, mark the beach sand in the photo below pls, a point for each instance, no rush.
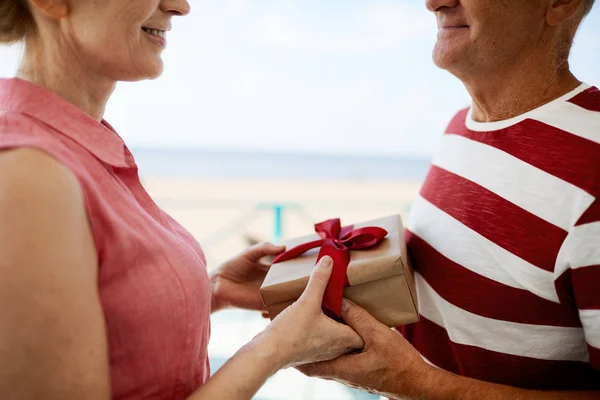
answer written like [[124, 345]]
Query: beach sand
[[225, 216]]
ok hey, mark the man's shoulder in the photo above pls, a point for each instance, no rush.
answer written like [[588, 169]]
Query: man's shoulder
[[578, 115]]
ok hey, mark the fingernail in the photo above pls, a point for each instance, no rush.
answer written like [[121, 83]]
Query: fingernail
[[326, 262], [345, 304]]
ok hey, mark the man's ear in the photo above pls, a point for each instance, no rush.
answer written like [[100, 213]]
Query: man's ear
[[560, 11], [55, 9]]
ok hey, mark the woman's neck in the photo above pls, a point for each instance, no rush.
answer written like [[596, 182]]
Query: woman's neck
[[62, 73]]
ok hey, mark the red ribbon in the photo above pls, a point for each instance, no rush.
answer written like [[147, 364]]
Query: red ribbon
[[336, 242]]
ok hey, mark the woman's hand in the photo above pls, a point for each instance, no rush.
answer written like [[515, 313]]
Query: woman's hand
[[236, 283], [302, 334]]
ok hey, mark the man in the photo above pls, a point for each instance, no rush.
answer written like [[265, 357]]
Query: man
[[505, 235]]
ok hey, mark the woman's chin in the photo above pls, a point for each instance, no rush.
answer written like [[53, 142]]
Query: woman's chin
[[146, 71], [156, 73]]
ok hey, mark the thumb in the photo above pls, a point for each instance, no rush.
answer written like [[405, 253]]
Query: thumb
[[319, 278], [327, 369], [359, 319]]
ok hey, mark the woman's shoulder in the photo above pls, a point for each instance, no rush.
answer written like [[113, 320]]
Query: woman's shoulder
[[31, 170], [18, 130], [41, 154], [30, 176], [21, 131]]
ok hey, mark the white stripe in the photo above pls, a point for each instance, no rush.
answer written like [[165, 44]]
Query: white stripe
[[528, 187], [476, 253], [534, 341], [580, 249], [571, 118], [590, 319]]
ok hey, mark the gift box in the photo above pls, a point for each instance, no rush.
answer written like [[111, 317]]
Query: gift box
[[377, 275]]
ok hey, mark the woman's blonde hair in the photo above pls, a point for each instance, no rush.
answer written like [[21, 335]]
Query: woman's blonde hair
[[16, 21]]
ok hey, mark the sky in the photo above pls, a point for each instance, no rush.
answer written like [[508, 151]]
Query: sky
[[334, 76]]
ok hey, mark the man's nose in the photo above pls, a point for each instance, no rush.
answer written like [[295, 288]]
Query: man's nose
[[436, 5], [175, 7]]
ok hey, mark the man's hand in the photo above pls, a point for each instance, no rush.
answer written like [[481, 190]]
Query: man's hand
[[236, 283], [391, 367], [388, 365]]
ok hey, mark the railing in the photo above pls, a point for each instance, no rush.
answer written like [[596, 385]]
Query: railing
[[278, 211]]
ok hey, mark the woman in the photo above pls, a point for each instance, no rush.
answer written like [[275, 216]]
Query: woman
[[102, 294]]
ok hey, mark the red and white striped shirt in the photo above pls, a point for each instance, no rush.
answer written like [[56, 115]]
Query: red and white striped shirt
[[505, 243]]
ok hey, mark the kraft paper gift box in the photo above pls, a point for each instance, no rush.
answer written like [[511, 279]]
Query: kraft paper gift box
[[380, 278]]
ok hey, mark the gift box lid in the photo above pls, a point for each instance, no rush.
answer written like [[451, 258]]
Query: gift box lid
[[287, 280]]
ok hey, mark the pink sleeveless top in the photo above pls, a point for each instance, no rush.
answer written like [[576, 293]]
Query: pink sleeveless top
[[153, 282]]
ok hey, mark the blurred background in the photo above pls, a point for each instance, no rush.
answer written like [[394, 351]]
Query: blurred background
[[273, 115]]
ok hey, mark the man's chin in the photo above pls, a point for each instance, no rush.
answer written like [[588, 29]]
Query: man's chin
[[446, 58], [442, 62]]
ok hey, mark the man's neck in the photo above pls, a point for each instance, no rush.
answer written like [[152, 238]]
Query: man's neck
[[508, 95], [64, 75]]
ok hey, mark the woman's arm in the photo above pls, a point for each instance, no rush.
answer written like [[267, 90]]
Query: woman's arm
[[242, 376], [52, 335], [301, 334]]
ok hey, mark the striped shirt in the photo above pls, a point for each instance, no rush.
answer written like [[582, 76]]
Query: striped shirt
[[505, 242]]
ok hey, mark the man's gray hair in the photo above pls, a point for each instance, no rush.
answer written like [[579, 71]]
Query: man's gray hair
[[587, 6], [565, 43]]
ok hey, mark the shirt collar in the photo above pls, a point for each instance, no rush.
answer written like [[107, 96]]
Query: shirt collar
[[99, 138]]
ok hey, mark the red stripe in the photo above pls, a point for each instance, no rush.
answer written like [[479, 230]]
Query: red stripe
[[433, 343], [457, 125], [592, 214], [559, 153], [586, 285], [502, 222], [482, 296], [588, 99]]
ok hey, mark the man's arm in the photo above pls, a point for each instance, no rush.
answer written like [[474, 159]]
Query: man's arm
[[390, 366]]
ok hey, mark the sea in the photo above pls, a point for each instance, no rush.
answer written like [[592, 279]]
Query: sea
[[237, 164]]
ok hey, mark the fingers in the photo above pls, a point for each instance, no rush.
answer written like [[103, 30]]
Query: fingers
[[324, 369], [318, 282], [360, 320], [352, 339], [258, 251]]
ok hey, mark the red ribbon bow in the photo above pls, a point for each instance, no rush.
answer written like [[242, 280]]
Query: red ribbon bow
[[337, 242]]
